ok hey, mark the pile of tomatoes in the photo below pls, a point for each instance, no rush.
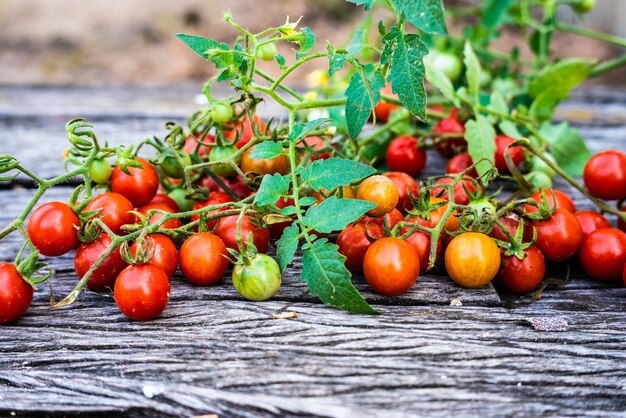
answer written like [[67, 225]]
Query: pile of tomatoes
[[392, 245]]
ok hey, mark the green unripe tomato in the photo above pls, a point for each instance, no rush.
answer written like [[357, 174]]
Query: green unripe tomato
[[539, 180], [481, 209], [484, 77], [178, 195], [258, 280], [172, 167], [267, 52], [100, 171], [221, 113], [220, 154], [504, 85], [537, 164], [584, 6], [445, 62]]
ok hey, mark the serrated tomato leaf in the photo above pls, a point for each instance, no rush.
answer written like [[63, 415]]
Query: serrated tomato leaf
[[567, 147], [472, 72], [442, 83], [336, 60], [480, 136], [266, 150], [362, 94], [405, 55], [198, 44], [335, 214], [300, 130], [334, 172], [426, 15], [271, 189], [325, 273], [287, 246]]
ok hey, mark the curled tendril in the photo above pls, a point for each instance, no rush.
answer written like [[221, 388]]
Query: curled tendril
[[81, 135], [8, 163], [176, 135]]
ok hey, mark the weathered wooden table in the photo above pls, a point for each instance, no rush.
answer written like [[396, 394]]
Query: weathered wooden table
[[437, 351]]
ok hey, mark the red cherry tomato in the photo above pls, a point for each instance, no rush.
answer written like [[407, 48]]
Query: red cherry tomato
[[53, 229], [605, 175], [237, 185], [621, 224], [164, 253], [560, 236], [590, 221], [191, 145], [88, 253], [407, 187], [516, 153], [353, 242], [511, 225], [276, 230], [450, 125], [169, 224], [603, 254], [563, 200], [142, 291], [381, 191], [215, 198], [404, 155], [114, 213], [420, 241], [461, 190], [472, 259], [15, 294], [317, 143], [391, 266], [392, 219], [165, 200], [203, 259], [227, 231], [140, 187], [244, 132], [522, 276], [382, 110], [459, 163]]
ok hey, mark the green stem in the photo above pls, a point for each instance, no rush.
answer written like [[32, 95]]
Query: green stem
[[607, 66], [588, 33]]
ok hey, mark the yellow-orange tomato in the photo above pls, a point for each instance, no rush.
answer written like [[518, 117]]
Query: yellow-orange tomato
[[472, 259], [270, 166], [381, 191], [391, 266], [346, 193], [452, 223]]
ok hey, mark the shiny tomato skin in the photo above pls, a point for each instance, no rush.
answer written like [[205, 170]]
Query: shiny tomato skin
[[317, 143], [452, 223], [459, 163], [450, 125], [166, 200], [516, 153], [461, 196], [191, 145], [562, 199], [603, 254], [621, 224], [391, 266], [511, 224], [142, 291], [522, 276], [16, 294], [404, 155], [407, 187], [420, 241], [277, 165], [560, 236], [353, 242], [140, 187], [53, 229], [472, 259], [164, 252], [382, 110], [203, 259], [244, 131], [115, 210], [227, 231], [392, 219], [87, 254], [259, 279], [381, 191], [169, 224], [590, 220], [215, 198], [605, 175]]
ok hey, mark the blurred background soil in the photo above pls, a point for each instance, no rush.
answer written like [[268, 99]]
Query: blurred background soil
[[130, 41]]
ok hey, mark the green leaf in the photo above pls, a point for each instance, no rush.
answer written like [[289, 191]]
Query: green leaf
[[405, 54], [300, 130], [480, 136], [494, 13], [498, 103], [357, 42], [335, 214], [426, 15], [280, 60], [368, 3], [287, 246], [334, 172], [198, 44], [567, 147], [266, 150], [442, 83], [324, 271], [509, 129], [308, 40], [271, 189], [336, 60], [472, 71], [362, 94]]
